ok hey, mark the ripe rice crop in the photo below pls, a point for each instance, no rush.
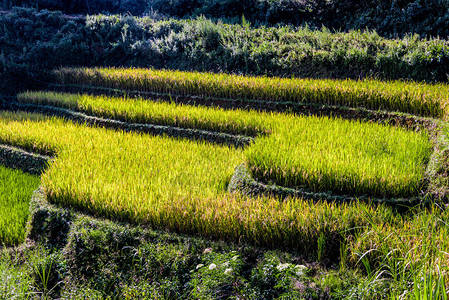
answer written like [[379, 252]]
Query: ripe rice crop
[[159, 113], [170, 183], [320, 154], [16, 189], [415, 98]]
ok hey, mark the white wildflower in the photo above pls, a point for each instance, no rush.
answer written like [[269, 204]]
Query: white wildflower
[[300, 270], [282, 267], [228, 271]]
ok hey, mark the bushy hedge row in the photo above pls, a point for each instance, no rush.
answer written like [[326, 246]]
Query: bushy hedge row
[[389, 18], [32, 42]]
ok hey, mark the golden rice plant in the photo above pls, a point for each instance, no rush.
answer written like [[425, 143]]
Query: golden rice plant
[[414, 98]]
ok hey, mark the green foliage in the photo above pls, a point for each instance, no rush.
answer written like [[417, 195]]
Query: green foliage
[[16, 189], [14, 280], [389, 18], [47, 272], [237, 121], [140, 263], [217, 275], [48, 225], [274, 279]]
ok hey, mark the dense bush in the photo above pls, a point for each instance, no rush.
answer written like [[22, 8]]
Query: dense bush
[[390, 18], [32, 42]]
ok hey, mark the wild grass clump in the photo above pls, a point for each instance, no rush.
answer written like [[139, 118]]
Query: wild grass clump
[[342, 156], [414, 98], [409, 252], [16, 189]]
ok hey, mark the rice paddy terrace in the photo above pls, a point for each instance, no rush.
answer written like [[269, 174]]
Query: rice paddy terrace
[[304, 165]]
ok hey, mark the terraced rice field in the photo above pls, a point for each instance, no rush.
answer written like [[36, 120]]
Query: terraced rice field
[[182, 185], [320, 154], [163, 182]]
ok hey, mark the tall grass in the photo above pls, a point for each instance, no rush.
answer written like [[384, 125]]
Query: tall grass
[[420, 99], [317, 153], [16, 189], [411, 252]]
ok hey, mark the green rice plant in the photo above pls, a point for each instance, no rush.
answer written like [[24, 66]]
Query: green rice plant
[[169, 183], [415, 98], [431, 287], [317, 153], [16, 189], [342, 156]]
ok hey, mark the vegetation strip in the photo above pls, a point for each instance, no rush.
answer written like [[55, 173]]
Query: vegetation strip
[[243, 182], [190, 133], [419, 99], [404, 120], [138, 110]]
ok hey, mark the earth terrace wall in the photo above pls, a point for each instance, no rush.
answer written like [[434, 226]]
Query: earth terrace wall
[[16, 158]]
